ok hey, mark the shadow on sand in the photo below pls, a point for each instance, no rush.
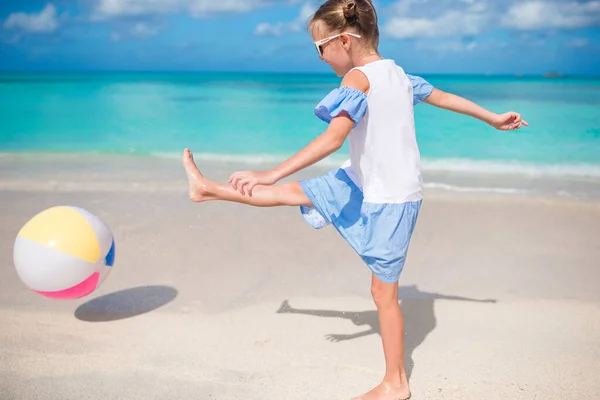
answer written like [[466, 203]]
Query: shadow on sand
[[125, 303], [417, 310]]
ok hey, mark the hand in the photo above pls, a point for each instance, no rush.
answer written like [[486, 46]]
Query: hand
[[337, 338], [508, 121], [244, 181]]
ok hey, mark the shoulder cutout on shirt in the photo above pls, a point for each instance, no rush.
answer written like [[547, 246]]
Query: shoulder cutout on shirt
[[357, 80]]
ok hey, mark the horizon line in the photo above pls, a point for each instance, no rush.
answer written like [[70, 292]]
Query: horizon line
[[548, 74]]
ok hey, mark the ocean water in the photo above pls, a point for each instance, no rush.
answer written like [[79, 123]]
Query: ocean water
[[264, 118]]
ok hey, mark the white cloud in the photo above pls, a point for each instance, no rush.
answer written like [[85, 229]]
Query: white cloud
[[453, 46], [201, 8], [43, 22], [106, 9], [533, 15], [306, 11], [143, 30], [579, 42], [116, 8], [452, 23], [460, 18], [458, 46], [267, 29], [276, 29], [436, 18]]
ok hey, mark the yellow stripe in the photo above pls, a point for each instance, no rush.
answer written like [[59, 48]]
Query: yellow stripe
[[63, 229]]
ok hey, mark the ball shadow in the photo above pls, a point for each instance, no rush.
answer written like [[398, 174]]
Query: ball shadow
[[125, 303]]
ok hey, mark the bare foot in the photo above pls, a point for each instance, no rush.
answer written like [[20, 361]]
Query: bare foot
[[199, 186], [385, 391]]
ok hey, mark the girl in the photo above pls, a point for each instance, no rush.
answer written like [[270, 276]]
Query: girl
[[373, 200]]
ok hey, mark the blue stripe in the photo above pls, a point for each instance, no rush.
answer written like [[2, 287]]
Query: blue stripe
[[110, 257]]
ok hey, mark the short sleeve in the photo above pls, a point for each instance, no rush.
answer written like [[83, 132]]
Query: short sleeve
[[421, 88], [344, 98]]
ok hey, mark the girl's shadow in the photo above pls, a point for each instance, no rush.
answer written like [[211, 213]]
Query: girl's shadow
[[417, 310]]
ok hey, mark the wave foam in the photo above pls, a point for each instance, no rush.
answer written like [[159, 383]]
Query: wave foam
[[512, 168], [468, 189], [483, 167], [447, 165]]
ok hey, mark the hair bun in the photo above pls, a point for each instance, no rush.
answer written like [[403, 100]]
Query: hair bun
[[350, 10]]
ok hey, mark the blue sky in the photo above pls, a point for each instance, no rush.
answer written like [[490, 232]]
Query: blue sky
[[424, 36]]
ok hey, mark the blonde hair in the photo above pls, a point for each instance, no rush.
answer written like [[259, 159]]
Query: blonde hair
[[338, 15]]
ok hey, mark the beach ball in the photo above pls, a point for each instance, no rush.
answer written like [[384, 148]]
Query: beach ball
[[64, 252]]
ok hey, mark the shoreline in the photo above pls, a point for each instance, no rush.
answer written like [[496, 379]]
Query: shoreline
[[93, 171], [582, 170]]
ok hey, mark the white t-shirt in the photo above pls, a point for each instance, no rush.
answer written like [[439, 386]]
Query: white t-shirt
[[384, 157], [383, 145]]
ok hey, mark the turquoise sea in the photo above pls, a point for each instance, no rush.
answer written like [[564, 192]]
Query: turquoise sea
[[267, 117]]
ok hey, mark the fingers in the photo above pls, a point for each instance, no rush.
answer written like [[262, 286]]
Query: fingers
[[247, 185], [251, 185], [236, 178], [233, 182], [243, 183], [516, 121], [233, 179]]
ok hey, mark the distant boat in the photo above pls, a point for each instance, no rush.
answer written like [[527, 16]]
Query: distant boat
[[553, 75]]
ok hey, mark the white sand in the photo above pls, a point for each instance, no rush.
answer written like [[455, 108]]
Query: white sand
[[190, 310]]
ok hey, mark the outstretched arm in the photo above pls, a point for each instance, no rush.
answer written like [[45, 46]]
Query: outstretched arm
[[507, 121], [424, 91], [325, 144]]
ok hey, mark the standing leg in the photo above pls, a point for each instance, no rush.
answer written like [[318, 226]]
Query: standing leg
[[203, 189], [391, 324]]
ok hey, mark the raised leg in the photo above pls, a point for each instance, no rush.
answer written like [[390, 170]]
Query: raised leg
[[203, 189]]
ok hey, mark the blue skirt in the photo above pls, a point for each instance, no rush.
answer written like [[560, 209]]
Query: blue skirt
[[379, 233]]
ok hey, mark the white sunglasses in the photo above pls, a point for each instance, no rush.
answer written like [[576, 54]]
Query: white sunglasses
[[320, 43]]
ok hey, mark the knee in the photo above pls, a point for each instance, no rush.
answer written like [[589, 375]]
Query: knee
[[294, 189], [295, 194], [384, 294]]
